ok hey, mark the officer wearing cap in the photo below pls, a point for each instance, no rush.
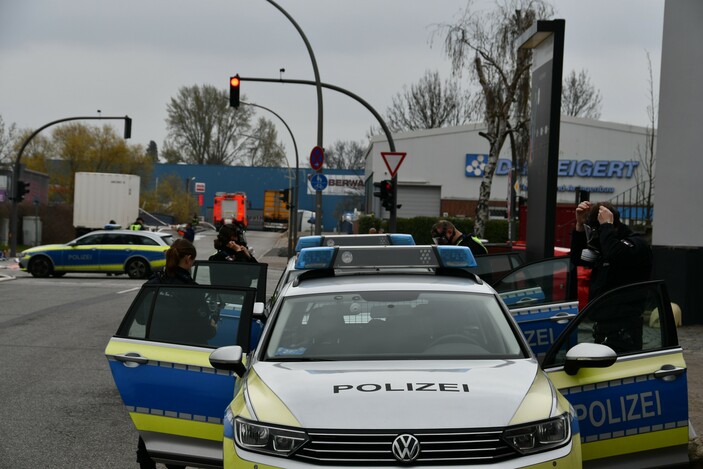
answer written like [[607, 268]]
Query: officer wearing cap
[[444, 232], [230, 245], [617, 256]]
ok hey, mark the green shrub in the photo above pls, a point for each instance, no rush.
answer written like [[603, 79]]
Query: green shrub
[[420, 227]]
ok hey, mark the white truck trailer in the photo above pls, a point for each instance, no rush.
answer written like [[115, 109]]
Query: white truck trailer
[[102, 197]]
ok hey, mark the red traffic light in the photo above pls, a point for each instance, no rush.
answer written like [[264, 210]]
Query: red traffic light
[[234, 91]]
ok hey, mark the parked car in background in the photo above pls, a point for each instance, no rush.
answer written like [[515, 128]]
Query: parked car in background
[[136, 253]]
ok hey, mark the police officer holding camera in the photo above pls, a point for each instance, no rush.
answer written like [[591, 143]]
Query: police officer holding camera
[[231, 245], [617, 256]]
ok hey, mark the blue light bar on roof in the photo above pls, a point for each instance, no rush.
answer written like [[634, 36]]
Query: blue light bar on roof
[[395, 239], [315, 258], [402, 239], [308, 242], [456, 256], [379, 257]]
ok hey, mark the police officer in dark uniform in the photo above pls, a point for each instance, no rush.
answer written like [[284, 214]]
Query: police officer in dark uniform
[[617, 256], [230, 245], [444, 232]]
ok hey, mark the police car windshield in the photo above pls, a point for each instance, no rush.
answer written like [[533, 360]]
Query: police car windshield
[[392, 325]]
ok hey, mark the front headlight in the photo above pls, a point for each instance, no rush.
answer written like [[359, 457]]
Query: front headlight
[[269, 439], [541, 436]]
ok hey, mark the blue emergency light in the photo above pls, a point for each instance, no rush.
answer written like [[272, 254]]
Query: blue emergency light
[[377, 257], [395, 239]]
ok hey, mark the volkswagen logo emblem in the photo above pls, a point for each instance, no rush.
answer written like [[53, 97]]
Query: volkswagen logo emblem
[[406, 448]]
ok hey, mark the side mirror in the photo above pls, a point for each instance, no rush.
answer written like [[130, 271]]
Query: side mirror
[[228, 358], [586, 355]]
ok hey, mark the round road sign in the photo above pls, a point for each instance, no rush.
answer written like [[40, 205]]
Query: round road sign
[[317, 158], [318, 182]]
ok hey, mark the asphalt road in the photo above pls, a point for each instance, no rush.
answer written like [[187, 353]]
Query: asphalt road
[[60, 407]]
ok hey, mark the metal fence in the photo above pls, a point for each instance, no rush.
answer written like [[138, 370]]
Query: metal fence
[[636, 206]]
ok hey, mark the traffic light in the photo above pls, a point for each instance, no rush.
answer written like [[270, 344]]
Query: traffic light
[[386, 194], [127, 127], [284, 196], [234, 91], [22, 189]]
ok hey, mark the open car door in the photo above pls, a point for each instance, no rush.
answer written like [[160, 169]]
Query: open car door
[[159, 359], [541, 298], [233, 274], [236, 274], [620, 365]]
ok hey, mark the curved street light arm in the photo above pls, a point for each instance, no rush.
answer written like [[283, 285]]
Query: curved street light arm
[[17, 167], [294, 206]]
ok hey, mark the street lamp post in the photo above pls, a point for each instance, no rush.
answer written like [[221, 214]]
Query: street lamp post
[[17, 168], [381, 122], [318, 85], [293, 227]]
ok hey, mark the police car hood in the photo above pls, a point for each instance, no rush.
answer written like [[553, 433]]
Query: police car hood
[[421, 394]]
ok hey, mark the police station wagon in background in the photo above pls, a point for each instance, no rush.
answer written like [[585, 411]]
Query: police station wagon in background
[[418, 362], [136, 253]]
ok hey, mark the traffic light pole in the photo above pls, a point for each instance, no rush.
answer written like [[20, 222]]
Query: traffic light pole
[[17, 169], [293, 227], [382, 123], [318, 85]]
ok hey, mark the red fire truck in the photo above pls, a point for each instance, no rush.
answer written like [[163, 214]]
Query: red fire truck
[[230, 208]]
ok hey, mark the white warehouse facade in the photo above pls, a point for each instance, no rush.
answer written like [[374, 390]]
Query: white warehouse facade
[[442, 171]]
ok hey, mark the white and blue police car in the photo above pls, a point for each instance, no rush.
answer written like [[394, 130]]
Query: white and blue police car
[[380, 356]]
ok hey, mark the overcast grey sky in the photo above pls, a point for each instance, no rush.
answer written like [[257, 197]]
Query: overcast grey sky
[[72, 57]]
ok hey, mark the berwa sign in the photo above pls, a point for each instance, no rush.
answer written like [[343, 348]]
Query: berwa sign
[[340, 184]]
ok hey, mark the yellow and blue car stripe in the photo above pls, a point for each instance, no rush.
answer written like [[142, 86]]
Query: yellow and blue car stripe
[[176, 392]]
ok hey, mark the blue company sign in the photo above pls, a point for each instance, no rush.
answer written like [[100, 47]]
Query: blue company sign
[[476, 164], [318, 182]]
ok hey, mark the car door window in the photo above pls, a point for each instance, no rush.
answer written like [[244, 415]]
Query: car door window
[[142, 240], [542, 282], [628, 320], [491, 267], [90, 240], [113, 238], [190, 315], [233, 274]]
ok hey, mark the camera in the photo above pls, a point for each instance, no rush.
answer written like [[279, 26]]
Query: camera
[[590, 255]]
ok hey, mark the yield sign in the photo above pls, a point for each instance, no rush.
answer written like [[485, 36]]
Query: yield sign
[[393, 160]]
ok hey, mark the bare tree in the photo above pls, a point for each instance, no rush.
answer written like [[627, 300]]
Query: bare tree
[[83, 148], [263, 149], [8, 137], [345, 154], [579, 98], [484, 45], [646, 156], [430, 104], [204, 128]]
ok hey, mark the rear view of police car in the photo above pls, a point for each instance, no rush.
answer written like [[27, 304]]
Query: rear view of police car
[[379, 356]]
